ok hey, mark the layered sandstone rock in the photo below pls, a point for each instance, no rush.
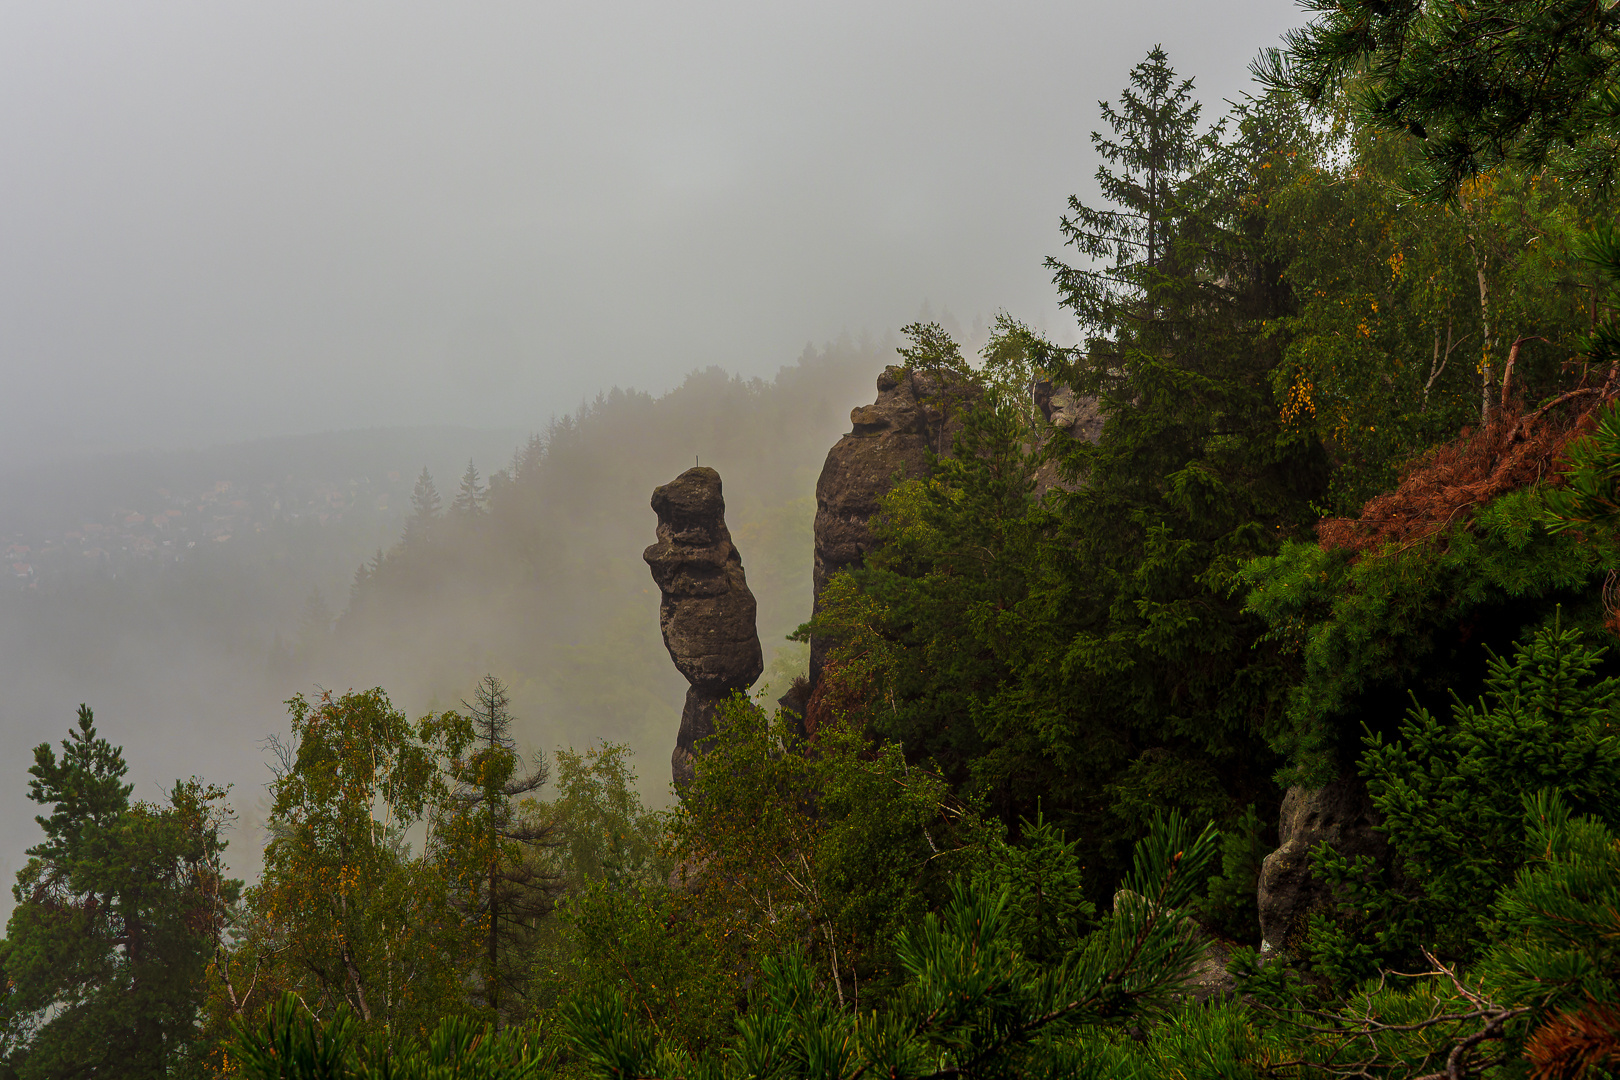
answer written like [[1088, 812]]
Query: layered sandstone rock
[[1076, 415], [707, 613], [1340, 814], [915, 412]]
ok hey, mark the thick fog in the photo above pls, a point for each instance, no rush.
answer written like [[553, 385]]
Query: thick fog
[[224, 223], [221, 221]]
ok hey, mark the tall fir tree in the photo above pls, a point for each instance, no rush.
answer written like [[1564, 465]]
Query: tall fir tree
[[421, 527], [1083, 655], [1153, 150], [470, 496], [1194, 472], [489, 841]]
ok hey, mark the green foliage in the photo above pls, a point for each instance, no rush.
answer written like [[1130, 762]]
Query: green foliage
[[1047, 912], [485, 839], [1540, 1000], [1158, 152], [1496, 107], [932, 626], [973, 1004], [1087, 647], [617, 921], [1555, 946], [1590, 501], [838, 842], [1362, 629], [607, 833], [290, 1044], [1409, 313], [1193, 475], [1476, 84], [1229, 906], [1449, 797], [345, 913], [677, 970], [1600, 248], [117, 916]]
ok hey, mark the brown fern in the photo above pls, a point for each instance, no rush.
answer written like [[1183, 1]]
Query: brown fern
[[1442, 488]]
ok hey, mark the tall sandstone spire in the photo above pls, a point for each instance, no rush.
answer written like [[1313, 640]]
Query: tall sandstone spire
[[707, 613]]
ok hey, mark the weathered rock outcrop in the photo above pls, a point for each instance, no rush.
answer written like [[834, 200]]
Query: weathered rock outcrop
[[1075, 415], [1071, 415], [1340, 814], [707, 613], [915, 411]]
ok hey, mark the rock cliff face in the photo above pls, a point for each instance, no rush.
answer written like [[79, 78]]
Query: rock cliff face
[[1340, 814], [707, 613], [915, 411]]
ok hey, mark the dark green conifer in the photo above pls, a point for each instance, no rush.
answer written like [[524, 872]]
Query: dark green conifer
[[117, 914]]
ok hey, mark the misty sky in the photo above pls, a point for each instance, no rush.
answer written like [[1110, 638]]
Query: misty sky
[[223, 221]]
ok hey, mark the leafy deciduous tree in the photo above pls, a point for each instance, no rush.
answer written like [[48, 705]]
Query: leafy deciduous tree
[[349, 915]]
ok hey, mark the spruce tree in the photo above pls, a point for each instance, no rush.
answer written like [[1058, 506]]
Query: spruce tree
[[490, 839], [421, 526], [1449, 795], [1194, 471], [1083, 654], [469, 502], [1153, 150]]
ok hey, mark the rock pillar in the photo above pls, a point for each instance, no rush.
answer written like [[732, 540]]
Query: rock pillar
[[707, 613]]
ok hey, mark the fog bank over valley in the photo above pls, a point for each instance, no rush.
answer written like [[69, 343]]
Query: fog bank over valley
[[261, 266]]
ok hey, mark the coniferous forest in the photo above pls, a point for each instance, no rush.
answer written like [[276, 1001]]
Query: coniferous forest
[[1273, 732]]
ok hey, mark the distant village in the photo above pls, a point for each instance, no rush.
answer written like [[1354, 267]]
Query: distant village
[[170, 526]]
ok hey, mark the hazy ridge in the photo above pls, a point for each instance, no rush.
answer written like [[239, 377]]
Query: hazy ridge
[[188, 649]]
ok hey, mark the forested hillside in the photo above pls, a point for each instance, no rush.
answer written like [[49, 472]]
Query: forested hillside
[[164, 578], [534, 572], [1278, 737]]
